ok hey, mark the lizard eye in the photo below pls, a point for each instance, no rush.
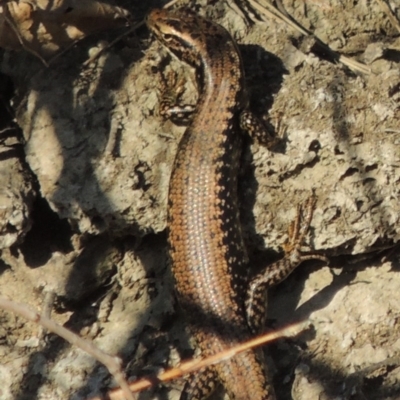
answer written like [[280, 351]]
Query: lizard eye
[[167, 37]]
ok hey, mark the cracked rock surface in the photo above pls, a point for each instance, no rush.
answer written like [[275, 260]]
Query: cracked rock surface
[[83, 201]]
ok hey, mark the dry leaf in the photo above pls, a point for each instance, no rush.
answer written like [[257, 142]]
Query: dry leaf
[[43, 27]]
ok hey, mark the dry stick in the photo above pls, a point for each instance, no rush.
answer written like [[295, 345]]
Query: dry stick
[[391, 130], [116, 40], [193, 365], [171, 3], [47, 307], [113, 364], [392, 16], [96, 56], [9, 21], [271, 12], [63, 51], [232, 4]]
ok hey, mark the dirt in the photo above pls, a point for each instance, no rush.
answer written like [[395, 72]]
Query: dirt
[[85, 169]]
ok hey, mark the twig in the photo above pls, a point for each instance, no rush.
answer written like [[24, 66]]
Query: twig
[[171, 3], [391, 130], [193, 365], [47, 306], [113, 364], [392, 16], [130, 30], [9, 20], [116, 40], [271, 12]]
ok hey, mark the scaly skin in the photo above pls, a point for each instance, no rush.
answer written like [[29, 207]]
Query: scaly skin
[[209, 259]]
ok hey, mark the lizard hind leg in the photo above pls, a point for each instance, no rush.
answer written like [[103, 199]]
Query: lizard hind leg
[[280, 270]]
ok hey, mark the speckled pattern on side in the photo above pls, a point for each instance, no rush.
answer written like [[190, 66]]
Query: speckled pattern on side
[[209, 260]]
